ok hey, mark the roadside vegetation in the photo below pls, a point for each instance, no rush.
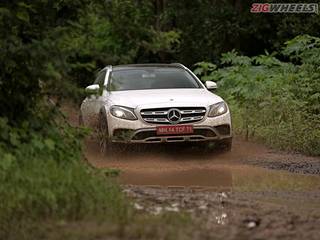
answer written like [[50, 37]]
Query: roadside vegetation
[[45, 182], [43, 177], [50, 50], [274, 97]]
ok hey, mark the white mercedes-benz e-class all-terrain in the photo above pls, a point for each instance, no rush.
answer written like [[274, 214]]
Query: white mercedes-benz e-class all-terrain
[[155, 103]]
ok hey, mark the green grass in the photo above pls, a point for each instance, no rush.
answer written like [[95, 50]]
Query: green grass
[[44, 189], [167, 226]]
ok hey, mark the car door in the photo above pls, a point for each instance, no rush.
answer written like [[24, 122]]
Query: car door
[[91, 105]]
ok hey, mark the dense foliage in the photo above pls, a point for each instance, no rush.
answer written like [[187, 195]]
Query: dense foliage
[[35, 48], [43, 177], [57, 45], [277, 101], [209, 28], [42, 172]]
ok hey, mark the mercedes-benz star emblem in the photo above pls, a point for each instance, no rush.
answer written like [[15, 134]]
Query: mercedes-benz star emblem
[[174, 115]]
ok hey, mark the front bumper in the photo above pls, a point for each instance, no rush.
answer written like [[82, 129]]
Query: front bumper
[[138, 131]]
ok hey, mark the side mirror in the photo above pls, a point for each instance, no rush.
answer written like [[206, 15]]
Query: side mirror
[[92, 89], [211, 85]]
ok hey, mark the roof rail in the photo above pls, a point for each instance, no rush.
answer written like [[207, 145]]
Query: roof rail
[[179, 65], [107, 67]]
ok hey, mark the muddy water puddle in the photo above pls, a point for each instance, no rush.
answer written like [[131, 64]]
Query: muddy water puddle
[[293, 191], [236, 177], [190, 177], [188, 168]]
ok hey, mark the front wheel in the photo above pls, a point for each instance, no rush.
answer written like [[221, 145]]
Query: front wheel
[[106, 145], [224, 144], [80, 120], [103, 133]]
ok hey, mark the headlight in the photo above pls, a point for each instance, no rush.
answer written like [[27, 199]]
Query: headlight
[[217, 109], [123, 112]]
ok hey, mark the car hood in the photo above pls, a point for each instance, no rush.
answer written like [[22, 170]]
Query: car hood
[[163, 98]]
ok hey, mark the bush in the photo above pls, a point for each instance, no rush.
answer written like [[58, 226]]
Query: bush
[[273, 100], [43, 176]]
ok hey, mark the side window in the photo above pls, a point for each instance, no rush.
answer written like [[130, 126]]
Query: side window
[[100, 79]]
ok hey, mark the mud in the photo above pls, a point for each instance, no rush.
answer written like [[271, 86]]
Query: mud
[[292, 164], [224, 215], [246, 157], [252, 192]]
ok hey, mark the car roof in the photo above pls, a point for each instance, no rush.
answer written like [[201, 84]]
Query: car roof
[[155, 65]]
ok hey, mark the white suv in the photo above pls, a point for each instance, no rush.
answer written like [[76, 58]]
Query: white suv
[[155, 103]]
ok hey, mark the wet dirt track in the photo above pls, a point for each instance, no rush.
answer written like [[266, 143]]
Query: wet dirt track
[[250, 193], [247, 165]]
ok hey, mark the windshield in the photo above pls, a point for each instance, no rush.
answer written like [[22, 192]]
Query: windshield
[[151, 78]]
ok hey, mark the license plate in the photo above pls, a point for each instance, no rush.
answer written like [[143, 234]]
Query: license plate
[[174, 130]]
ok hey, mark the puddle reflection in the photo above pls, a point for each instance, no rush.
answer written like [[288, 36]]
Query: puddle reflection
[[237, 178]]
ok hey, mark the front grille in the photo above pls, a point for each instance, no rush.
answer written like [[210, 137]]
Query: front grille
[[160, 115]]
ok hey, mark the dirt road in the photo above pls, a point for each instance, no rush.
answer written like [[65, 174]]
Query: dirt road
[[251, 192]]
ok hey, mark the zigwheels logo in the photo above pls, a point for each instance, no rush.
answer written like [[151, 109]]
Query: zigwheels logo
[[284, 8]]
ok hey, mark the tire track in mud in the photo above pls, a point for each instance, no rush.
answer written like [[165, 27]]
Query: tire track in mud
[[290, 166]]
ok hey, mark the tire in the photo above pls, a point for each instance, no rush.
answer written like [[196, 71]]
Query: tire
[[81, 123], [103, 133], [106, 145], [224, 144], [205, 147]]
